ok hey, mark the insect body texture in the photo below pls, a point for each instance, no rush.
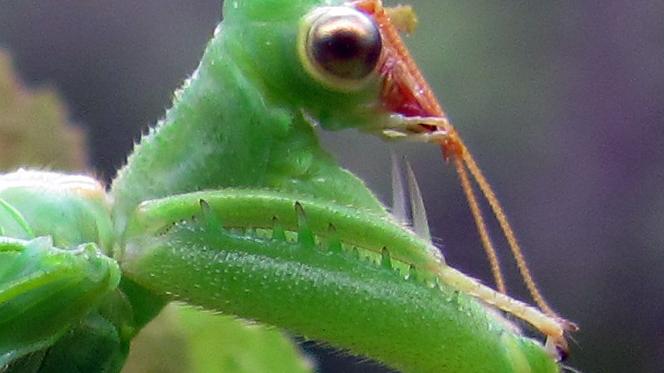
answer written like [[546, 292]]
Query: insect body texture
[[229, 203]]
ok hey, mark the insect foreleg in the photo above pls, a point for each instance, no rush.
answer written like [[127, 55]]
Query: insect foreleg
[[300, 271]]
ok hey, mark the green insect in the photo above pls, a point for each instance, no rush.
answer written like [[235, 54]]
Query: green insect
[[230, 204]]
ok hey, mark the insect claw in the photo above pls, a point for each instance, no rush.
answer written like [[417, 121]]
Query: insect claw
[[557, 347], [569, 325]]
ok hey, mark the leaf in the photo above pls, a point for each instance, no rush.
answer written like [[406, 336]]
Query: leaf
[[34, 129]]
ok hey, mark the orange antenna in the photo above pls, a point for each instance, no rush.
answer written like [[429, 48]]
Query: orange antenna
[[481, 226], [463, 159], [417, 115], [406, 93]]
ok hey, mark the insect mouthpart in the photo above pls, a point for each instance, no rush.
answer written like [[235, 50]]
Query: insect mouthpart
[[416, 127], [415, 113]]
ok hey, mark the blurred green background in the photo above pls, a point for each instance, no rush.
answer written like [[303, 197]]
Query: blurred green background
[[561, 102]]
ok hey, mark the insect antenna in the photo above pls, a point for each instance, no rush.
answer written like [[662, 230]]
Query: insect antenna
[[435, 127], [464, 160], [489, 249]]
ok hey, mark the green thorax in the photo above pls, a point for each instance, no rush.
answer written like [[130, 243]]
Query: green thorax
[[241, 120]]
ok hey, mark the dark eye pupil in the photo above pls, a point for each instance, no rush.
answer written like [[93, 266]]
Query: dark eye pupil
[[347, 46], [342, 45]]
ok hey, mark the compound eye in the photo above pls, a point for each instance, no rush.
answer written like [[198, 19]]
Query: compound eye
[[342, 47]]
